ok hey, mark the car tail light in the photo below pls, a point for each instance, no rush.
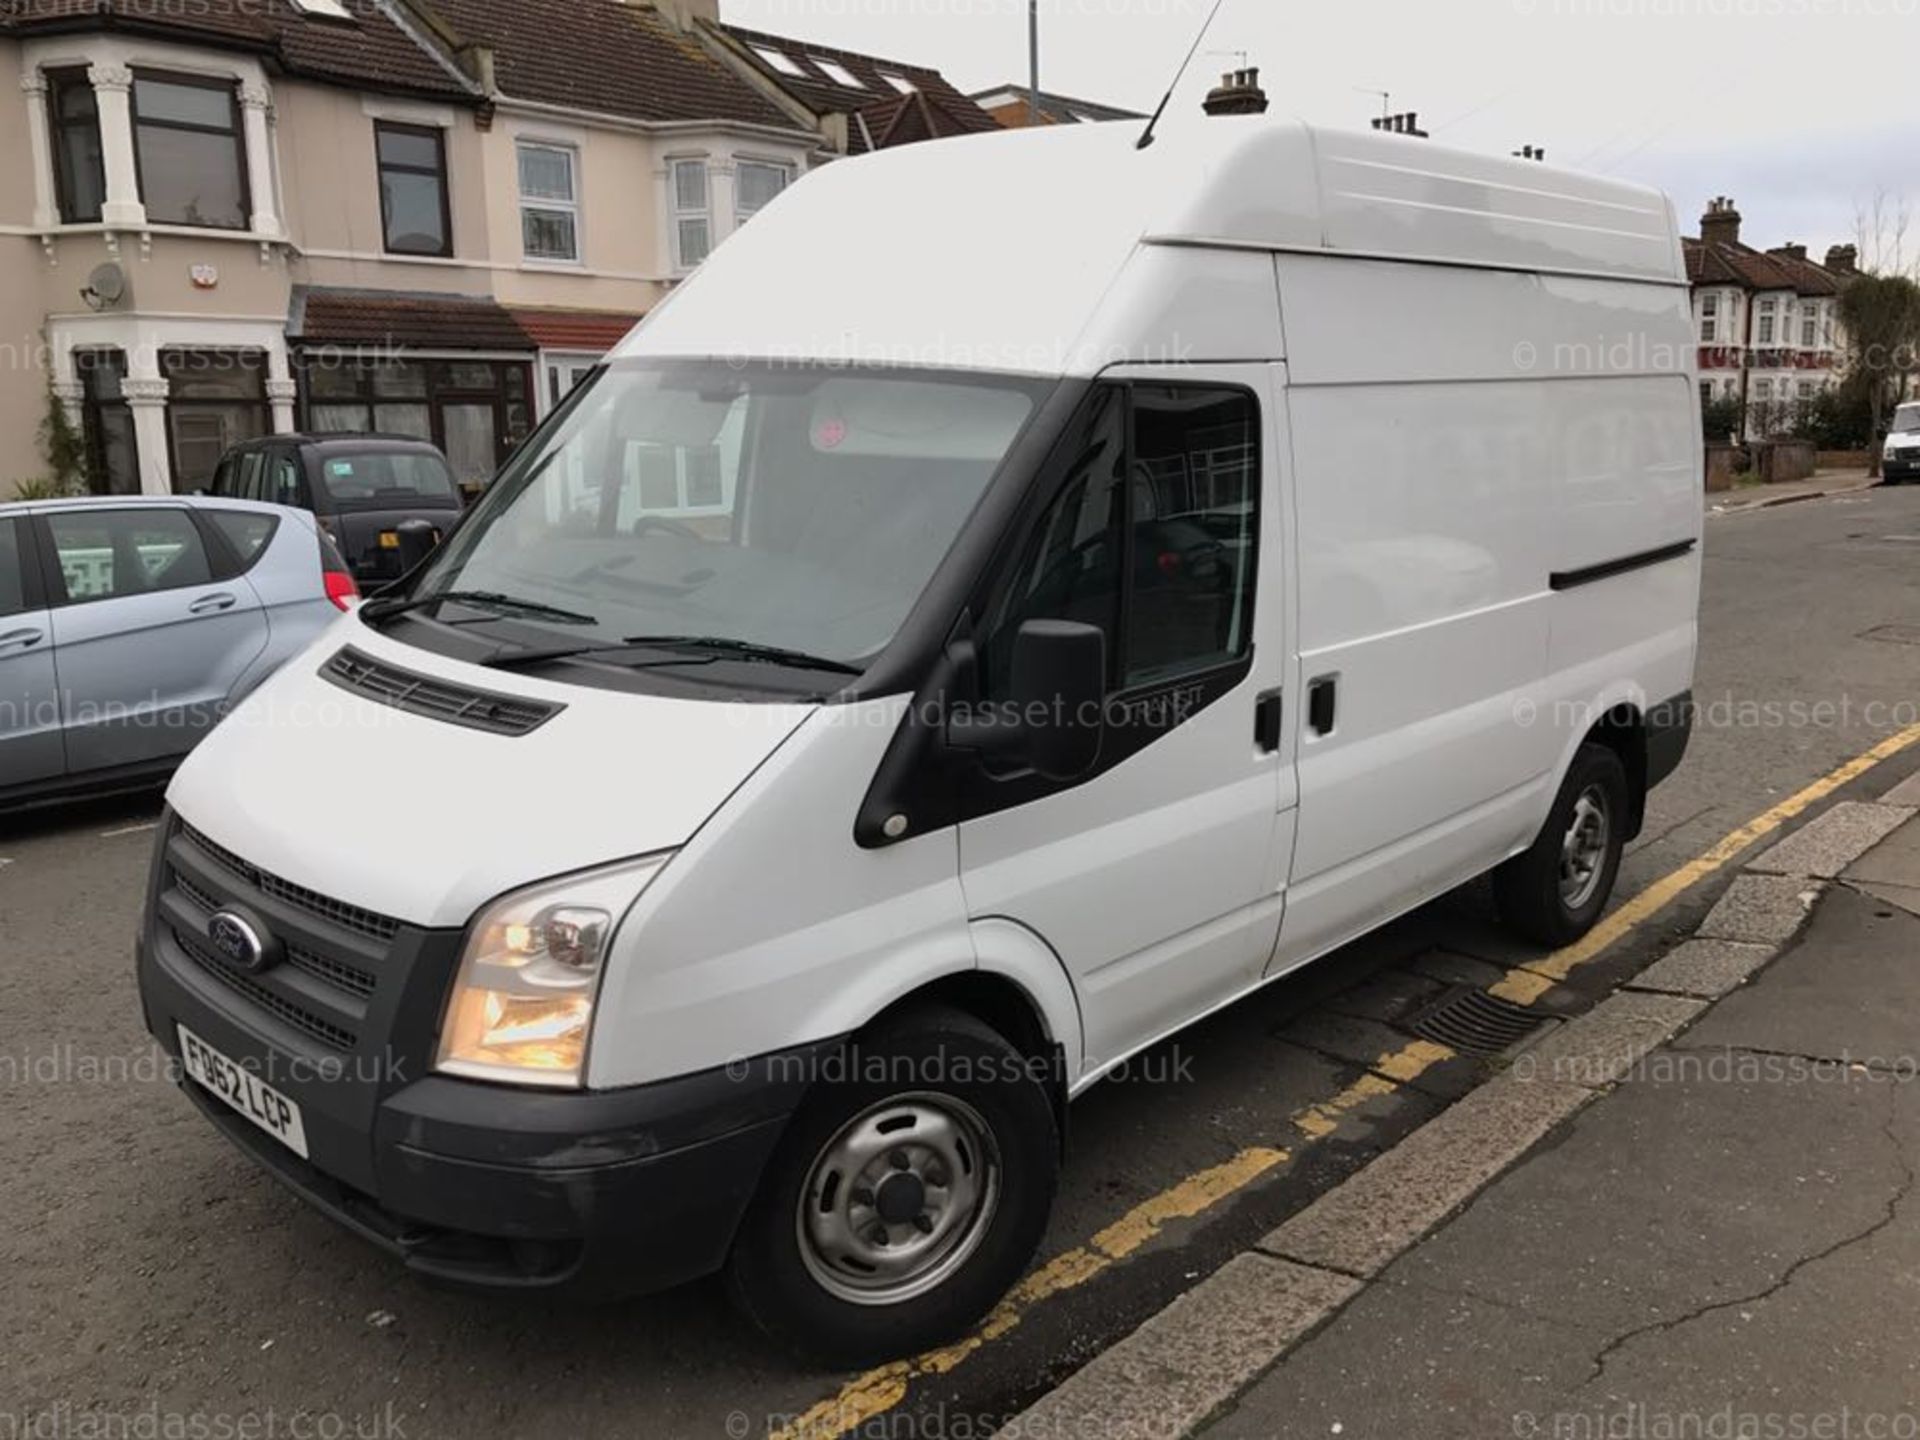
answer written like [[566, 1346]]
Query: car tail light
[[335, 575]]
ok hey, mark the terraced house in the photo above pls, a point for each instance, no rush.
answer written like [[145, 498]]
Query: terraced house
[[423, 217], [1768, 322]]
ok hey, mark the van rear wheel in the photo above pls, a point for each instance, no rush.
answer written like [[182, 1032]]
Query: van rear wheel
[[1554, 890], [909, 1193]]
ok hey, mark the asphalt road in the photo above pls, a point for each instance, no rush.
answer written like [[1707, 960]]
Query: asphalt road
[[152, 1277]]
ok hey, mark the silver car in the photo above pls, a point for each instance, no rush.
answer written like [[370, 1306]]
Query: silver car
[[129, 626]]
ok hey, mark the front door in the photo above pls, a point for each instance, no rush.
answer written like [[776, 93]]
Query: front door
[[30, 748], [1158, 878], [151, 642]]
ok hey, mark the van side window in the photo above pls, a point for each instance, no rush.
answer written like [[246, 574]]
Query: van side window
[[1152, 537], [1195, 505], [1070, 565]]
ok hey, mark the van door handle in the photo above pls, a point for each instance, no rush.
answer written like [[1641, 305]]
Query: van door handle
[[21, 639], [206, 604], [1266, 722], [1323, 699]]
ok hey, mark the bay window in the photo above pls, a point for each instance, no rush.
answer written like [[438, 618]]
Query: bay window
[[79, 163], [692, 213], [755, 184], [190, 151]]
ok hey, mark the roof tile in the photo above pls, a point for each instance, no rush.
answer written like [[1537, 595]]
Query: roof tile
[[368, 50], [386, 320]]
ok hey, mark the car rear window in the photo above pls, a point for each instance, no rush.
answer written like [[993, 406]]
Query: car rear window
[[379, 475], [248, 534]]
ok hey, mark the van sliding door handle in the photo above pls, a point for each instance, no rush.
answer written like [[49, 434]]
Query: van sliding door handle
[[20, 639], [1323, 700], [1266, 722]]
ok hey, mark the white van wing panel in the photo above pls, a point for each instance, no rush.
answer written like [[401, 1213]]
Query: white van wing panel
[[773, 928], [1002, 251]]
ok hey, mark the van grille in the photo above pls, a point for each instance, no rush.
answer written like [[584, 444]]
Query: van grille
[[300, 1017], [353, 670], [367, 922], [338, 973]]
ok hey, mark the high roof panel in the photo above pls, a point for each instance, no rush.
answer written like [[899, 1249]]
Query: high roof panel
[[937, 275]]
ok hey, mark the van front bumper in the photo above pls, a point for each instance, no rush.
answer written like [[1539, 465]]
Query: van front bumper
[[598, 1194]]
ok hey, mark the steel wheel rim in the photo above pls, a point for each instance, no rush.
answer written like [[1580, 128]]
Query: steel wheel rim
[[898, 1199], [1583, 849]]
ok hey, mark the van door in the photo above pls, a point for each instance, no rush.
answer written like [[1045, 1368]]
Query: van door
[[1425, 485], [1157, 878], [150, 642], [30, 748]]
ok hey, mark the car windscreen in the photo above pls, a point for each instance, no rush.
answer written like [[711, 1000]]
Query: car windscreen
[[778, 505], [365, 479], [1906, 419]]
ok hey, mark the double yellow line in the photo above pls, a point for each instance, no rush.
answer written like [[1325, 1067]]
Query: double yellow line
[[882, 1389]]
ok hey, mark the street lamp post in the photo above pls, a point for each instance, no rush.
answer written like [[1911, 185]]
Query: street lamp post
[[1033, 62]]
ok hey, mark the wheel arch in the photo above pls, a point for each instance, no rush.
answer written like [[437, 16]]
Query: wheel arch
[[1622, 728], [1020, 989]]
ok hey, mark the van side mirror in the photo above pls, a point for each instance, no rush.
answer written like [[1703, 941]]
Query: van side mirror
[[1052, 720]]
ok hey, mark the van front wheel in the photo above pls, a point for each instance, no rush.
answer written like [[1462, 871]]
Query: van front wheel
[[910, 1192], [1554, 890]]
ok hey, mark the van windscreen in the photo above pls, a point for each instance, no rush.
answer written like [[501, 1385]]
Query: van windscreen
[[773, 505]]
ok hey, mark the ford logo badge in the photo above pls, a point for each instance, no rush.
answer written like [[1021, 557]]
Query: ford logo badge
[[239, 941]]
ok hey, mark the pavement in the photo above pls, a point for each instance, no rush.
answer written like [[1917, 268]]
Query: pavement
[[1817, 486], [156, 1281], [1693, 1214]]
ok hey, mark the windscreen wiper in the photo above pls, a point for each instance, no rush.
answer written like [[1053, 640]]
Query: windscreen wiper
[[728, 648], [484, 599], [714, 648]]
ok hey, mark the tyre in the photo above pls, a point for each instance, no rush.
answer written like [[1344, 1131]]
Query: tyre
[[910, 1192], [1554, 890]]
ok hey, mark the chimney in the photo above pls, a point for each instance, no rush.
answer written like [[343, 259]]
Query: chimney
[[1721, 224], [1238, 93], [1406, 123], [1843, 259], [683, 13], [1793, 250]]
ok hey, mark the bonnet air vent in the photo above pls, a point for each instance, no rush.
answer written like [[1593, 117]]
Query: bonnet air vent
[[436, 699]]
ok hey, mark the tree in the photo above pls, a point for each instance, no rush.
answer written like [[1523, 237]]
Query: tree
[[1881, 315], [64, 447], [1723, 418]]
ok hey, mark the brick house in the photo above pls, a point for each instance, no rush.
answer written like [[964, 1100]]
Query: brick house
[[1767, 322]]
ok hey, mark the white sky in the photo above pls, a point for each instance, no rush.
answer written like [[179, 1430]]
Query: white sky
[[1799, 109]]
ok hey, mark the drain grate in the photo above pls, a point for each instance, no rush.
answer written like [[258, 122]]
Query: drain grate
[[1476, 1023]]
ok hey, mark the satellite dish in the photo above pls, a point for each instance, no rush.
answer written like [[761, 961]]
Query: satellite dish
[[107, 285]]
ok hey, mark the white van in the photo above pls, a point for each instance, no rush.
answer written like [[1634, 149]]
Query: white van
[[1024, 593]]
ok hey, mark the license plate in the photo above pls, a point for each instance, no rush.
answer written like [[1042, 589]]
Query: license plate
[[242, 1091], [389, 539]]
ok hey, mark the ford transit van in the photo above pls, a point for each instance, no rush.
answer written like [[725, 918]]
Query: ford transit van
[[911, 677]]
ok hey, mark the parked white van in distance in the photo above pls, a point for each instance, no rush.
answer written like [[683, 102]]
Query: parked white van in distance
[[914, 676]]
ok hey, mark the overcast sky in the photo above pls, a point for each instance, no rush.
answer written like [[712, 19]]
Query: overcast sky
[[1799, 109]]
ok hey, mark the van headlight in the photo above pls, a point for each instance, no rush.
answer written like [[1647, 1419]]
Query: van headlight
[[522, 1004]]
